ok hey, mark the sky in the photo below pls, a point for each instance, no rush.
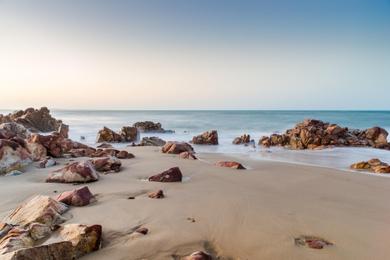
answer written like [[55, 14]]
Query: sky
[[195, 54]]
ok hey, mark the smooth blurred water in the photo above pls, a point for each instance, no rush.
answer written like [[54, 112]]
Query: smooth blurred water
[[231, 124]]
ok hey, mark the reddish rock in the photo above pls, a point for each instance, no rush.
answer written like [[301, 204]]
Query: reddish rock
[[171, 175], [177, 147], [108, 135], [312, 242], [63, 130], [244, 139], [113, 153], [78, 197], [156, 194], [142, 230], [107, 165], [82, 152], [124, 155], [105, 145], [12, 156], [209, 137], [77, 172], [230, 164], [129, 134], [150, 127], [187, 155], [199, 255]]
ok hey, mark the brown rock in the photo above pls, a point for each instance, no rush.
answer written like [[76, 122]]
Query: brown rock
[[12, 156], [150, 127], [152, 141], [244, 139], [77, 172], [177, 147], [199, 255], [12, 129], [230, 164], [187, 155], [129, 134], [171, 175], [105, 145], [312, 242], [108, 135], [63, 130], [113, 153], [78, 197], [209, 137], [373, 165], [142, 230], [107, 165], [60, 250], [82, 152], [156, 194]]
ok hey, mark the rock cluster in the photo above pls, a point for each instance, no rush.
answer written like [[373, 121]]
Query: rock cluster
[[244, 139], [36, 120], [373, 165], [126, 134], [150, 127], [209, 137], [316, 134]]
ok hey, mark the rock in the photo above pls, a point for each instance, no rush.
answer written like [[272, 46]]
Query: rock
[[209, 137], [177, 147], [187, 155], [61, 250], [78, 197], [312, 242], [199, 255], [171, 175], [85, 239], [124, 155], [14, 173], [63, 130], [230, 164], [156, 194], [373, 165], [108, 135], [55, 144], [129, 134], [142, 230], [109, 152], [48, 162], [12, 129], [37, 151], [82, 152], [244, 139], [37, 120], [76, 172], [12, 156], [107, 165], [105, 145], [38, 209], [315, 134], [152, 141], [150, 127]]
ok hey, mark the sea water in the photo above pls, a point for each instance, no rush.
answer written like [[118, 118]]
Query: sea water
[[230, 124]]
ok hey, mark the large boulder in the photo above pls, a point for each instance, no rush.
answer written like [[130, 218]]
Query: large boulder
[[107, 164], [150, 127], [230, 164], [244, 139], [37, 120], [108, 135], [171, 175], [152, 141], [177, 147], [12, 156], [76, 172], [78, 197], [209, 137]]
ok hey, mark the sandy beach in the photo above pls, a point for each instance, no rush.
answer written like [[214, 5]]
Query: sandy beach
[[231, 214]]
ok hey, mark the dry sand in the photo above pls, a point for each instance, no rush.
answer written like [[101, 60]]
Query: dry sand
[[239, 214]]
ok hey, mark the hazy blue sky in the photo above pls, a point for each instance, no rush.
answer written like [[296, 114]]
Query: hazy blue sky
[[198, 54]]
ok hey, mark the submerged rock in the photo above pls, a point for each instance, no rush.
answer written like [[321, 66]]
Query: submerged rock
[[209, 137], [76, 172], [177, 147], [171, 175], [244, 139], [230, 164]]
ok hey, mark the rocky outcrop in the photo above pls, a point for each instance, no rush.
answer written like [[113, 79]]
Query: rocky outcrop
[[230, 164], [373, 165], [126, 134], [76, 172], [244, 139], [199, 255], [152, 141], [13, 156], [150, 127], [156, 194], [177, 147], [171, 175], [209, 137], [78, 197], [187, 155], [316, 134], [107, 164], [36, 120]]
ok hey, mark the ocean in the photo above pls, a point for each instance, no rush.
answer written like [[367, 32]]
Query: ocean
[[231, 124]]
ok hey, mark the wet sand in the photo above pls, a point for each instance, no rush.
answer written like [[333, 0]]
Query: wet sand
[[238, 214]]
